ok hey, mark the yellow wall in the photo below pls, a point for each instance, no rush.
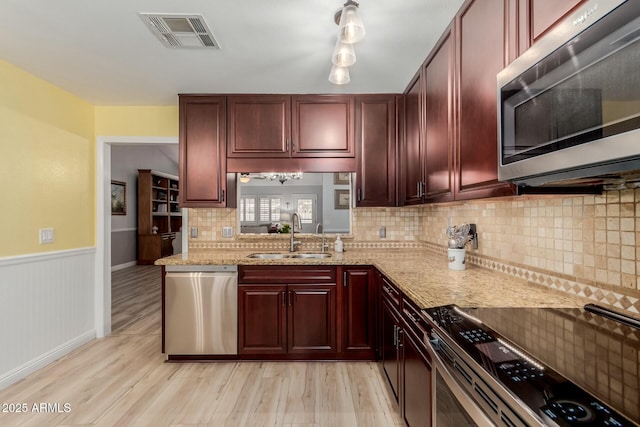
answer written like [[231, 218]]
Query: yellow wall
[[137, 121], [47, 160]]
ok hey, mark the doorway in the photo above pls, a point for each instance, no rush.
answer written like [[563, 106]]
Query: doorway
[[102, 298]]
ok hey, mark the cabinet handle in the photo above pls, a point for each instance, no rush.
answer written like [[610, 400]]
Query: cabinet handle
[[286, 145], [222, 195], [359, 198], [395, 336], [399, 337], [291, 298], [344, 279], [284, 299]]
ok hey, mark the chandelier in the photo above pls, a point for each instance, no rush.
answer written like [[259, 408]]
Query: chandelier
[[272, 176]]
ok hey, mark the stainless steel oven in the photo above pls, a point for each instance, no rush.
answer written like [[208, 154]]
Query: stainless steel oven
[[484, 377], [452, 406], [569, 109]]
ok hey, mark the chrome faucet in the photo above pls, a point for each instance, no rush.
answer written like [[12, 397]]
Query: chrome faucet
[[295, 220], [319, 228]]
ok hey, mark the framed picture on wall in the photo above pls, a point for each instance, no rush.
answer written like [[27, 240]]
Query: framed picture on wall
[[118, 198], [341, 178], [341, 199]]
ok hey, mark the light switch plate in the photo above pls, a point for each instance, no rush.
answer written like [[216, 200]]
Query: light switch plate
[[46, 235], [227, 232]]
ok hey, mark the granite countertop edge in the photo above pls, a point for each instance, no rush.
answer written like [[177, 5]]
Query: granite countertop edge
[[422, 274]]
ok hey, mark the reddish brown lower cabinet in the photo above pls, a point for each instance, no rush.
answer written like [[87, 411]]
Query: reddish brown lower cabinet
[[287, 312], [416, 384], [311, 319], [358, 312], [262, 315], [390, 346]]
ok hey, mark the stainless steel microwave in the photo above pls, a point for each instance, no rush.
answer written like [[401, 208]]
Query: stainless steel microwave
[[569, 107]]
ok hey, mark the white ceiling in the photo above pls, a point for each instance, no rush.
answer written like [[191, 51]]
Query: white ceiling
[[101, 51]]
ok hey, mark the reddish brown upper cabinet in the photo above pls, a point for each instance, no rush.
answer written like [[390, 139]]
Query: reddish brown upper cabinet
[[259, 125], [480, 56], [439, 122], [376, 136], [322, 126], [410, 175], [544, 14], [527, 21], [358, 312], [202, 146]]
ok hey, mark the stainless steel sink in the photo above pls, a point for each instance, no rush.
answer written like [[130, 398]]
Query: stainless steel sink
[[289, 255]]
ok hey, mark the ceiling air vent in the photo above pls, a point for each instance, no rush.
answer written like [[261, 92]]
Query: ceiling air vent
[[180, 30]]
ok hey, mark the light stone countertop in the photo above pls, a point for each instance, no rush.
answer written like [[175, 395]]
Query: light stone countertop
[[421, 274]]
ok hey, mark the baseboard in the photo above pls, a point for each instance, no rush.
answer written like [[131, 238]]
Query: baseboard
[[123, 266], [43, 360]]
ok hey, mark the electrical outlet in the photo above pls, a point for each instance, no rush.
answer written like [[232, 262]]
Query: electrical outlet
[[194, 232], [227, 232], [382, 232], [46, 235]]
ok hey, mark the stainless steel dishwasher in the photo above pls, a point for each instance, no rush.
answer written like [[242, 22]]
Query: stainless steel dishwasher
[[201, 310]]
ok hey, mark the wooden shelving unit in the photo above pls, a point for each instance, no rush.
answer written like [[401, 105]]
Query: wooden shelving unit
[[159, 216]]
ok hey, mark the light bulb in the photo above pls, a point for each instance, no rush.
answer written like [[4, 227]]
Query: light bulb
[[351, 28], [344, 55], [339, 75]]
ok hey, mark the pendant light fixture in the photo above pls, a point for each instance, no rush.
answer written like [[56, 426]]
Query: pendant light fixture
[[350, 31], [344, 55], [339, 75]]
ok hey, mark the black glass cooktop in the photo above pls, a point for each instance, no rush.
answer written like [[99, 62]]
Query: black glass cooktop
[[569, 365]]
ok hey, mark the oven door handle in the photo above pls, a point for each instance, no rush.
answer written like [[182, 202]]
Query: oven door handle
[[461, 395]]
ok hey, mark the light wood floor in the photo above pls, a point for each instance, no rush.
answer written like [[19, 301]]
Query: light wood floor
[[122, 380]]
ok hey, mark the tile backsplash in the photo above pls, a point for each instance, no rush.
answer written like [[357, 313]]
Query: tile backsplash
[[589, 240]]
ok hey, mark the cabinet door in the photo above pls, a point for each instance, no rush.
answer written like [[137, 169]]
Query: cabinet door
[[391, 331], [546, 13], [202, 151], [439, 127], [358, 295], [481, 57], [376, 150], [262, 319], [259, 126], [411, 160], [311, 319], [322, 126], [416, 370]]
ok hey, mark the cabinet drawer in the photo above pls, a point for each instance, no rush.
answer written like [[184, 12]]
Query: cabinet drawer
[[286, 274], [414, 321], [391, 294]]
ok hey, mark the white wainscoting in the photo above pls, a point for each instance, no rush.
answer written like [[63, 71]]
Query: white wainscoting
[[46, 309]]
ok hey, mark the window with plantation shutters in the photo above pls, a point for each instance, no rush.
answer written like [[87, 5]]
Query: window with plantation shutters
[[270, 209], [248, 209]]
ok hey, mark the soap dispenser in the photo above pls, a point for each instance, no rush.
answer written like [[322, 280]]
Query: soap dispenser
[[338, 244]]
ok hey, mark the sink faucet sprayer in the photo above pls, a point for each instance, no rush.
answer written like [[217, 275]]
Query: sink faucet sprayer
[[319, 228]]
